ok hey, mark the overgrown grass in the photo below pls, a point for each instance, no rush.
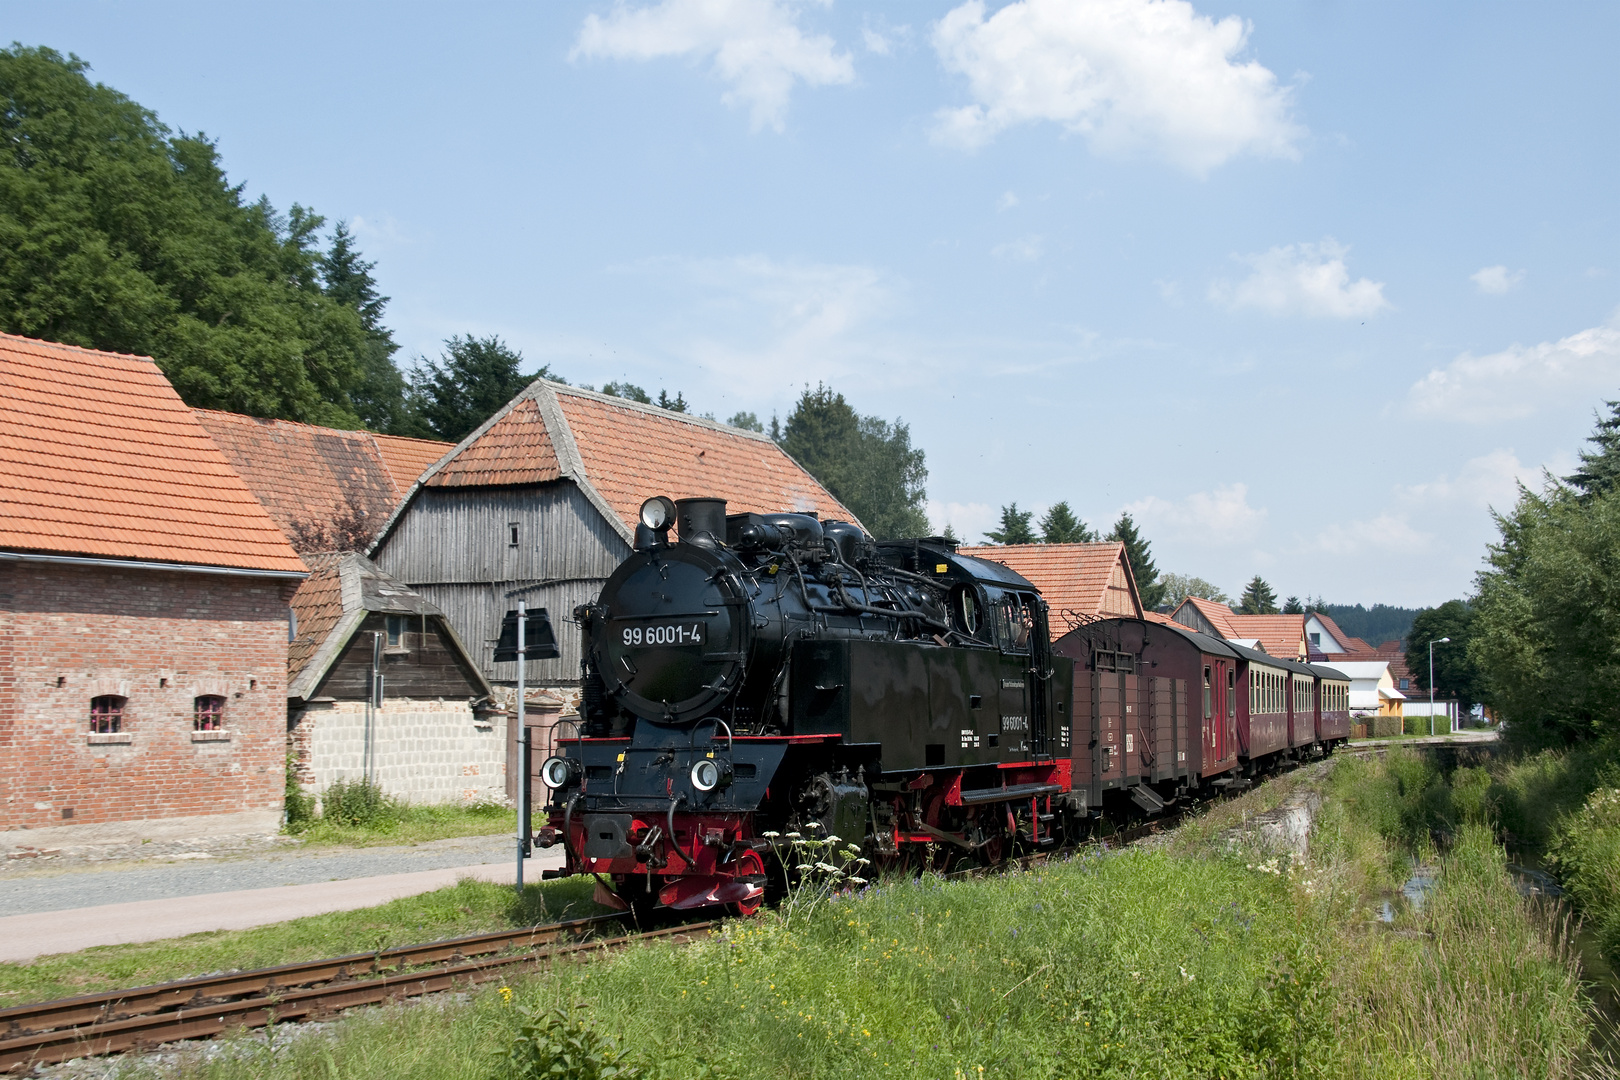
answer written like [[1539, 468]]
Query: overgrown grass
[[412, 824], [1191, 960], [468, 907]]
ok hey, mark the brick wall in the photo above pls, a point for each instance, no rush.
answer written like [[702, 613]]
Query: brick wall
[[160, 639]]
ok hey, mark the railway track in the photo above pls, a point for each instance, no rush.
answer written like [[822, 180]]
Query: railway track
[[145, 1017]]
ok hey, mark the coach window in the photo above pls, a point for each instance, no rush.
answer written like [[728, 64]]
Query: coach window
[[1209, 694], [107, 714], [208, 713], [1231, 694]]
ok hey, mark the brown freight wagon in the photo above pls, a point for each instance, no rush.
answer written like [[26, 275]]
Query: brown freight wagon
[[1155, 711]]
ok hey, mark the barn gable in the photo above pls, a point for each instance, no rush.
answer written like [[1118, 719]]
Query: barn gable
[[541, 501]]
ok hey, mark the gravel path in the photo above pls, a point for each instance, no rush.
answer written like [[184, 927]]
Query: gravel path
[[45, 889]]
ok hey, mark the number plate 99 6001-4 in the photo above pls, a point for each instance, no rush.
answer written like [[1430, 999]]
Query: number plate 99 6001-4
[[673, 632]]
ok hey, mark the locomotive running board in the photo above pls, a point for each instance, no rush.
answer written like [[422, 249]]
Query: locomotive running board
[[1007, 794]]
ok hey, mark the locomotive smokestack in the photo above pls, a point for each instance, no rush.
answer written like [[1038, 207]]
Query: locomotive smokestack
[[698, 516]]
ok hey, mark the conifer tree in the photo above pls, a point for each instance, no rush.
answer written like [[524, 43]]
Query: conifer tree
[[1060, 526], [1600, 466], [1014, 527], [1140, 555], [1258, 598]]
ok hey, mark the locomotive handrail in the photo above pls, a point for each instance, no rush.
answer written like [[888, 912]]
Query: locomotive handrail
[[670, 822], [692, 742]]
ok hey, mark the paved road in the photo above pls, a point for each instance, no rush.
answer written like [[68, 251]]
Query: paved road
[[24, 937], [89, 886]]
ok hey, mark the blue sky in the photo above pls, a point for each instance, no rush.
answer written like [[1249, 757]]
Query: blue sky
[[1306, 287]]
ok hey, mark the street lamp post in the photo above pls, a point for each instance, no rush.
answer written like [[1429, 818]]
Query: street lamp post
[[1432, 644]]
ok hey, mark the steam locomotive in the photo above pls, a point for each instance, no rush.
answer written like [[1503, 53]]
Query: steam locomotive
[[765, 674]]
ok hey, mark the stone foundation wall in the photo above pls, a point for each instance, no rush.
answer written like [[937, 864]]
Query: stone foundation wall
[[422, 751]]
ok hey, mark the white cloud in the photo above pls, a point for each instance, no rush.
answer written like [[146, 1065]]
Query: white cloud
[[1490, 480], [1222, 516], [755, 45], [1520, 379], [1387, 533], [1495, 280], [1130, 76], [1027, 249], [751, 321], [1007, 201], [1303, 279]]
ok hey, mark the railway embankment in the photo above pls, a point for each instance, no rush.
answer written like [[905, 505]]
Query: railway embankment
[[1221, 948]]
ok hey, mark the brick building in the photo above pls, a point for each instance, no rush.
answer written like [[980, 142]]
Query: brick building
[[144, 599]]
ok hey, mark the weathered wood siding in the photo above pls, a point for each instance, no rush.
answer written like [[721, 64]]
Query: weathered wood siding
[[454, 546], [425, 666]]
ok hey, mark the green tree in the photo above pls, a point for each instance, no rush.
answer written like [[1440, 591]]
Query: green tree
[[673, 404], [380, 397], [747, 421], [1014, 527], [1177, 587], [1293, 606], [1140, 555], [1060, 526], [116, 233], [627, 390], [1455, 671], [950, 534], [474, 378], [1546, 636], [1600, 465], [867, 463], [1258, 598]]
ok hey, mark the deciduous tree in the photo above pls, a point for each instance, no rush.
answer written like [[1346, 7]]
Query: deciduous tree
[[1177, 587], [867, 463], [116, 233], [1455, 672]]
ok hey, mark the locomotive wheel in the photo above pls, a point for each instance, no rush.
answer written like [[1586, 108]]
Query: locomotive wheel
[[747, 864]]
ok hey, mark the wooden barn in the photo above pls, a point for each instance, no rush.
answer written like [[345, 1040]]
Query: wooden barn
[[434, 738], [541, 503]]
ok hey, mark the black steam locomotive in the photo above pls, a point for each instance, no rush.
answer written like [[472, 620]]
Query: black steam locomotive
[[769, 673]]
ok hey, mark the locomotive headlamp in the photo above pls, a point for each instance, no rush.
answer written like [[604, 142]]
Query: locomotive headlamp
[[708, 774], [658, 513], [556, 772]]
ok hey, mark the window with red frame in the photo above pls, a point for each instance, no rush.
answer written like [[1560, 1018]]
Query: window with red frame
[[107, 714], [209, 713]]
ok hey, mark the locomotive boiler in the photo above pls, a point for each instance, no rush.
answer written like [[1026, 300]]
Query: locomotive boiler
[[762, 674]]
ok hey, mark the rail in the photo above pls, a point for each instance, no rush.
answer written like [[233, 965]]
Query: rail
[[120, 1020]]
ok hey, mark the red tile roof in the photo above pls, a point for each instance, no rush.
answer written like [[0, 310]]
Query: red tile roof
[[1159, 617], [621, 452], [1090, 580], [1218, 615], [100, 457], [1333, 628], [1279, 635], [318, 607], [308, 476]]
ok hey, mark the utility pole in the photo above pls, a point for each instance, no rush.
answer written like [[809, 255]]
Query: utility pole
[[523, 750], [1432, 644]]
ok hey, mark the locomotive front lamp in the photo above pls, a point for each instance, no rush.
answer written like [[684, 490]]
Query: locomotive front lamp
[[658, 513], [556, 772], [708, 774]]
